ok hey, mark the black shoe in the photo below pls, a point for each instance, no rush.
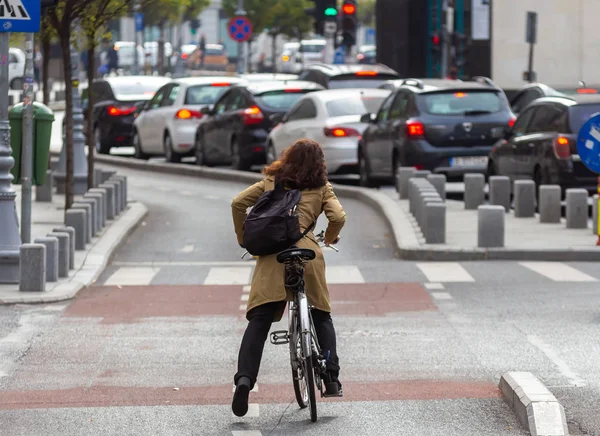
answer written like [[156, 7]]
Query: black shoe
[[333, 387], [239, 405]]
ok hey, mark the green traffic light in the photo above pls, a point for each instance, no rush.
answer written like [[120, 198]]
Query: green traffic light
[[330, 12]]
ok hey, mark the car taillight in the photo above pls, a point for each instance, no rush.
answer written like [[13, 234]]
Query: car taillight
[[340, 132], [512, 122], [220, 84], [415, 129], [118, 111], [293, 90], [184, 56], [366, 73], [562, 148], [186, 114], [253, 115]]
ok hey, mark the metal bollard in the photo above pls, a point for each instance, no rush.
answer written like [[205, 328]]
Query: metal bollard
[[550, 207], [110, 200], [439, 183], [595, 215], [33, 268], [499, 191], [474, 190], [577, 209], [403, 177], [63, 240], [434, 226], [101, 216], [95, 213], [51, 244], [103, 193], [71, 232], [490, 226], [524, 198], [88, 216], [43, 193], [77, 219]]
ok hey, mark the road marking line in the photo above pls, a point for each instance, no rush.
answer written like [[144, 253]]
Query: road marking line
[[434, 286], [175, 263], [246, 432], [228, 276], [342, 274], [245, 297], [558, 272], [441, 295], [188, 248], [138, 276], [243, 307], [246, 288], [187, 193], [564, 369], [440, 272], [55, 308], [254, 389]]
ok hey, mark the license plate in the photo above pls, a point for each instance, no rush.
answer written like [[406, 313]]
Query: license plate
[[469, 161]]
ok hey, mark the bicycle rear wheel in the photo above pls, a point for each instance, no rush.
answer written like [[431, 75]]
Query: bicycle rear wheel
[[298, 378], [306, 343], [310, 382]]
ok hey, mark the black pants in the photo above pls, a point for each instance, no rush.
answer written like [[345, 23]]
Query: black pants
[[253, 343]]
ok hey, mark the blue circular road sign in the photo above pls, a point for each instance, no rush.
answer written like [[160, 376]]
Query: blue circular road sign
[[240, 29], [588, 143]]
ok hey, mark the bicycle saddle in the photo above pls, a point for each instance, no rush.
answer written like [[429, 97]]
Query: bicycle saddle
[[292, 253]]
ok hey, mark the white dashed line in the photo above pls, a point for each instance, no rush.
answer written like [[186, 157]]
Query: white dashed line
[[434, 286], [246, 288], [564, 369], [184, 263], [140, 276], [187, 193], [245, 297], [228, 276], [442, 272], [55, 308], [441, 295], [243, 307], [343, 274], [246, 432], [558, 272], [187, 249]]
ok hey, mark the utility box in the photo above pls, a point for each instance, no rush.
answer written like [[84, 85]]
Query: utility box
[[43, 117]]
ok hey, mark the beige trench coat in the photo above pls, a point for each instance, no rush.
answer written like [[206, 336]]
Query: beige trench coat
[[268, 281]]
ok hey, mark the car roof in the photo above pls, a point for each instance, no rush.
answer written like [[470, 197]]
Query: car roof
[[335, 70], [268, 77], [335, 94], [570, 100], [191, 81], [158, 80], [276, 85], [313, 41], [434, 85], [218, 46]]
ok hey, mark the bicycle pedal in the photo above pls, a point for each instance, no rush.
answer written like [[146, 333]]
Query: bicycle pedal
[[280, 337]]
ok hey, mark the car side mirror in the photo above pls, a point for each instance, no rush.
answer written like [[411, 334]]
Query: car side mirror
[[367, 118], [278, 118], [501, 132]]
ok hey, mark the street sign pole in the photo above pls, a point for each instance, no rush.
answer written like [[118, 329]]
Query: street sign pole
[[588, 149], [27, 142], [241, 64], [138, 18], [330, 31]]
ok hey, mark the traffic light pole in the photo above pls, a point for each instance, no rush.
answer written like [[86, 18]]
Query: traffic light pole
[[447, 31], [27, 142]]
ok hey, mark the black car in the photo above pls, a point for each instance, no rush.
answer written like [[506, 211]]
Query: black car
[[444, 126], [234, 131], [367, 55], [533, 91], [116, 101], [348, 76], [542, 145]]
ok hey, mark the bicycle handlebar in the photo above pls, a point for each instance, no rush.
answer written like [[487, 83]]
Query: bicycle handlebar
[[321, 239]]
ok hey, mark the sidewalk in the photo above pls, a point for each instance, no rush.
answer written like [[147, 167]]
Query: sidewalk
[[89, 264]]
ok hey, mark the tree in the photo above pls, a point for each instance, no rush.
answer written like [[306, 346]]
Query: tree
[[46, 35], [365, 12], [257, 11]]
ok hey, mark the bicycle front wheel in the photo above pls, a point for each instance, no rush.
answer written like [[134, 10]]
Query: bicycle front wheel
[[310, 382], [298, 378], [306, 344]]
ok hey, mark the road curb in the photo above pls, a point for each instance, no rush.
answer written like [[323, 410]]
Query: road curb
[[95, 262], [536, 407]]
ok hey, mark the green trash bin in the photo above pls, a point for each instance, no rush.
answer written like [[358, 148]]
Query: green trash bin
[[43, 117]]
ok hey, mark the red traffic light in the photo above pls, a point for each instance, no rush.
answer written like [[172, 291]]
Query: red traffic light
[[349, 9], [436, 39]]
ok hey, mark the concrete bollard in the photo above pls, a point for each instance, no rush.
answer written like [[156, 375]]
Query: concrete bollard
[[434, 223], [54, 161], [426, 197], [88, 217], [104, 194], [64, 252], [43, 193], [499, 191], [121, 181], [418, 186], [550, 206], [110, 200], [106, 175], [577, 209], [474, 190], [421, 174], [524, 198], [71, 232], [118, 196], [490, 226], [95, 212], [33, 268], [77, 219], [52, 260], [439, 183], [403, 177], [595, 214], [100, 214], [98, 177]]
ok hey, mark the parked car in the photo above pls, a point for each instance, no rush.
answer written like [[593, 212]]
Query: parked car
[[311, 51], [444, 126], [268, 77], [391, 84], [534, 91], [126, 53], [167, 124], [542, 144], [333, 119], [117, 99], [16, 68], [215, 58], [151, 53], [367, 54], [235, 130], [286, 63], [348, 76]]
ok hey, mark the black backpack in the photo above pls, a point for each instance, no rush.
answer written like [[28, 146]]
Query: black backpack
[[272, 224]]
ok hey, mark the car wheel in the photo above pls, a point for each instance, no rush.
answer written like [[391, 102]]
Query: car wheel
[[170, 155], [200, 152], [365, 179], [100, 146], [271, 155], [137, 145], [16, 83], [237, 162]]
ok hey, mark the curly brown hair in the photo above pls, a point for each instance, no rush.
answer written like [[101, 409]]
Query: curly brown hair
[[302, 166]]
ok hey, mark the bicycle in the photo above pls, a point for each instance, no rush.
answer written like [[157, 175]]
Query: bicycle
[[308, 364]]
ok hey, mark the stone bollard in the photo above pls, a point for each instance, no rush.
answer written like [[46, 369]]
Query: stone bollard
[[71, 232], [103, 194], [88, 216], [33, 268], [110, 200], [403, 177], [434, 222], [77, 219], [550, 207], [64, 252], [577, 209], [101, 216], [426, 197], [439, 183], [54, 164], [421, 174], [474, 190], [490, 226], [98, 177], [43, 193], [95, 213], [418, 188], [524, 198], [52, 260], [499, 191], [106, 175], [121, 181], [118, 196], [595, 215]]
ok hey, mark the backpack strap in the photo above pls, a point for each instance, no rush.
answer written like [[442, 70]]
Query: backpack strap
[[309, 228]]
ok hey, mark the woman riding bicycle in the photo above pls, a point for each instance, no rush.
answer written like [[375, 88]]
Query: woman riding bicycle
[[302, 167]]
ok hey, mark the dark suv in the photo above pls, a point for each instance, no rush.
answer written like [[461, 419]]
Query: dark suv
[[444, 126], [348, 76]]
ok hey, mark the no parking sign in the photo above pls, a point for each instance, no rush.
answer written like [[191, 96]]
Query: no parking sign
[[240, 29], [588, 148]]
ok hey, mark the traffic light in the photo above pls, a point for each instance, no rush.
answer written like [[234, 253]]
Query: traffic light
[[318, 14], [435, 53], [349, 22], [461, 44], [194, 25]]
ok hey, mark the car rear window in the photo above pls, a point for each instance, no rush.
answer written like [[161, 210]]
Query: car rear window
[[281, 100], [462, 103], [204, 94], [580, 113], [348, 81], [135, 88], [354, 105], [312, 48], [214, 51]]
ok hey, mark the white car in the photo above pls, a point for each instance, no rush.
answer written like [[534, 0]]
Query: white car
[[333, 119], [167, 124], [286, 61], [310, 52], [126, 53], [16, 68]]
